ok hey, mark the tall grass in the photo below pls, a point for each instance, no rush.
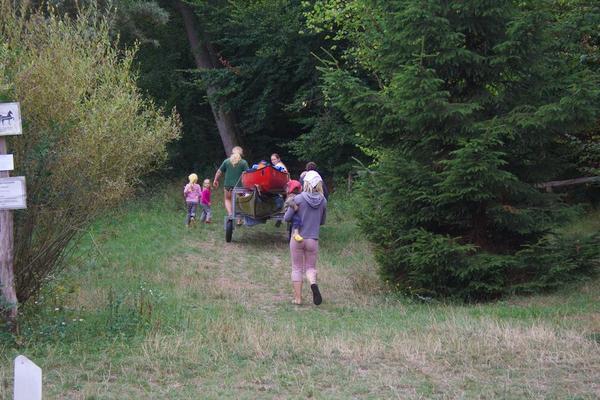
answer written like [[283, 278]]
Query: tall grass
[[151, 309]]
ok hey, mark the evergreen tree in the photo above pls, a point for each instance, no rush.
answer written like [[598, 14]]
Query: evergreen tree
[[466, 105]]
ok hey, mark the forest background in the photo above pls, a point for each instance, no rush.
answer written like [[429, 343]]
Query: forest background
[[450, 116]]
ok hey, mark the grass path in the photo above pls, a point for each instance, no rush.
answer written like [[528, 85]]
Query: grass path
[[152, 310]]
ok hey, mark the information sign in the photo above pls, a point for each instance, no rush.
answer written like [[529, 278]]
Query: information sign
[[12, 193], [6, 162]]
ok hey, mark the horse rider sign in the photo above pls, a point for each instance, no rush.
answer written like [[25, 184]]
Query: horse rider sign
[[10, 119], [12, 189]]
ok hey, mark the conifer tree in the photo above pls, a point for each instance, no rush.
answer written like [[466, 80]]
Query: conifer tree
[[466, 105]]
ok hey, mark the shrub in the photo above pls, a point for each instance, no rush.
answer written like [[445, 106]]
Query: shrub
[[88, 133], [419, 254]]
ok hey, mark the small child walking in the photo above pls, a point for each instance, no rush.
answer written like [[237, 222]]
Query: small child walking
[[192, 193], [294, 188], [205, 202]]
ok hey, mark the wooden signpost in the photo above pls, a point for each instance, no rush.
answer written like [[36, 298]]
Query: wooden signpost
[[12, 196]]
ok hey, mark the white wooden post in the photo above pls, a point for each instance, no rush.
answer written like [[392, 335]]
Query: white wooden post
[[28, 380]]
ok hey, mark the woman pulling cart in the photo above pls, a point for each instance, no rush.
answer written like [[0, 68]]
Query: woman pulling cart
[[257, 197]]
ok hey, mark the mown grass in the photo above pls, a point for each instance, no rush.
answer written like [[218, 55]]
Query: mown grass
[[150, 309]]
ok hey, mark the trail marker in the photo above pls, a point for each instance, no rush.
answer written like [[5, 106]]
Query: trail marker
[[28, 380], [10, 119]]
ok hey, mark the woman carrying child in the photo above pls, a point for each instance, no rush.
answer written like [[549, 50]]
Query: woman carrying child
[[192, 193], [312, 207]]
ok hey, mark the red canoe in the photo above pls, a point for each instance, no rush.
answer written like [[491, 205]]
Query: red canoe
[[267, 179]]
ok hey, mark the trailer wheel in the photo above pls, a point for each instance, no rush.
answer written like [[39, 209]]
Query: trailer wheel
[[228, 230]]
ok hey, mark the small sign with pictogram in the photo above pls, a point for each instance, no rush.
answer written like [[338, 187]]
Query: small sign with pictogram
[[10, 119]]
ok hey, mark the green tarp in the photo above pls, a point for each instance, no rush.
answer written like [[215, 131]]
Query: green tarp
[[259, 205]]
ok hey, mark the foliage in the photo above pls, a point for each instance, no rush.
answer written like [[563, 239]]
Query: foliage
[[130, 20], [554, 260], [259, 68], [268, 78], [167, 75], [578, 31], [467, 106], [137, 20], [329, 141], [89, 135]]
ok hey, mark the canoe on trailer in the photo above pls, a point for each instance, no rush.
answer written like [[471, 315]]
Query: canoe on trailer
[[259, 205], [266, 179]]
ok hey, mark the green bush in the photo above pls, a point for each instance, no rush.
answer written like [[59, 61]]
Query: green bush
[[422, 250], [555, 260], [88, 133]]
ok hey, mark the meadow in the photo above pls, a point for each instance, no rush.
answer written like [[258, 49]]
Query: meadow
[[149, 309]]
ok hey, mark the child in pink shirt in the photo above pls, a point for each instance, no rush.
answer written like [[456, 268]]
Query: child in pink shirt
[[192, 193], [205, 201]]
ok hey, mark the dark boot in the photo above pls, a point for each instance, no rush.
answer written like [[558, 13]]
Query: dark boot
[[317, 299]]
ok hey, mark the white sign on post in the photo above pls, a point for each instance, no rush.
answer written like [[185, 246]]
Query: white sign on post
[[6, 162], [10, 119], [28, 380], [12, 193]]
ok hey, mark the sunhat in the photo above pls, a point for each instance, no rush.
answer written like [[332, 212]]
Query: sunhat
[[313, 178], [293, 185]]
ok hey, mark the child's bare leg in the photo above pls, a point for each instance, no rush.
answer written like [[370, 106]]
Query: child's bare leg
[[297, 292]]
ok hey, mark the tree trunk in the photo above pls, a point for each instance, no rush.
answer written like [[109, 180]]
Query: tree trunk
[[8, 298], [225, 120]]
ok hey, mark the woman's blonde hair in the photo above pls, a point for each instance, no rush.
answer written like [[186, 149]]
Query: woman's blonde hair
[[193, 178], [236, 155], [307, 187], [238, 149]]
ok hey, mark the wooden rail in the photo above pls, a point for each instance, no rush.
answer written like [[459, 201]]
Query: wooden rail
[[568, 182]]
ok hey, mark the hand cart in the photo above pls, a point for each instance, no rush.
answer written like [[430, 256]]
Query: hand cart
[[274, 212]]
